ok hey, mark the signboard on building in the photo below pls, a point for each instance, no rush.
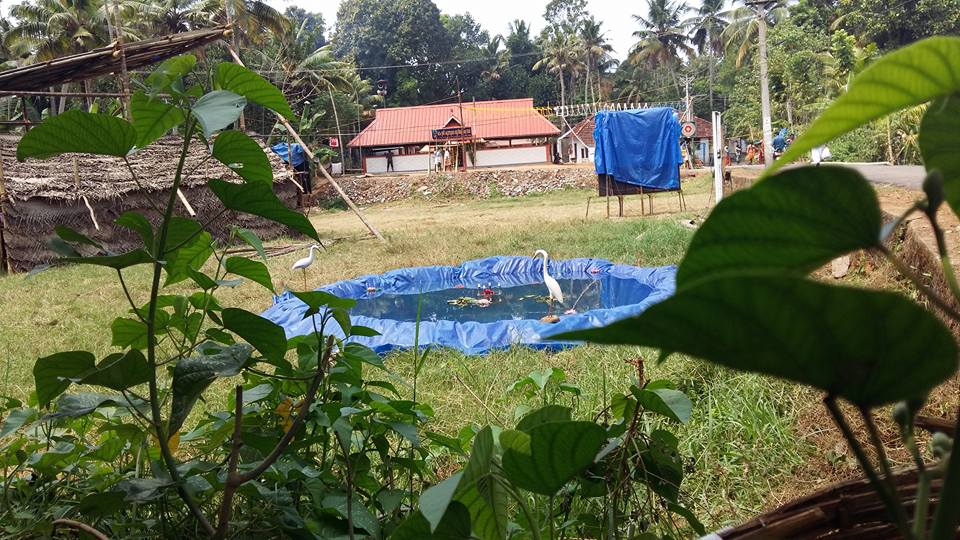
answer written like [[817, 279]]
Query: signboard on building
[[334, 142], [452, 133]]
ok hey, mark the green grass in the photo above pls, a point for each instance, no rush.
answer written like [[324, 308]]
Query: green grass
[[740, 435]]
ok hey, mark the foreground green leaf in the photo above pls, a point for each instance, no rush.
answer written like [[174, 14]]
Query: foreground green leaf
[[481, 490], [939, 144], [118, 262], [673, 404], [252, 240], [188, 248], [554, 455], [152, 118], [258, 199], [255, 271], [869, 347], [242, 81], [217, 110], [52, 374], [169, 72], [793, 222], [77, 405], [454, 525], [910, 76], [119, 371], [244, 156], [78, 132], [264, 335], [193, 375]]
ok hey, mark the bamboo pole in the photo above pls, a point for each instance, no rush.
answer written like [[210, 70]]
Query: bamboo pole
[[343, 194]]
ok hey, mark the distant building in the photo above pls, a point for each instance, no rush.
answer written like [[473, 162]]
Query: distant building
[[578, 143], [489, 134]]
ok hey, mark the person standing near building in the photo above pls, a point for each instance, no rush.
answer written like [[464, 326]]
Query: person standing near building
[[446, 159], [438, 159], [390, 160]]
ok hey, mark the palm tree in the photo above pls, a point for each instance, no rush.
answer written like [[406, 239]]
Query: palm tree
[[560, 56], [596, 52], [250, 18], [744, 27], [500, 60], [708, 25], [163, 17], [662, 37], [53, 28]]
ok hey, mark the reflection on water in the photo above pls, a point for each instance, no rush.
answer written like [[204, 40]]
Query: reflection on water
[[519, 302]]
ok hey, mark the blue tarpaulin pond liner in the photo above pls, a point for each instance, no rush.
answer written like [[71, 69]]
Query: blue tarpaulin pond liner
[[639, 147], [604, 292], [297, 156]]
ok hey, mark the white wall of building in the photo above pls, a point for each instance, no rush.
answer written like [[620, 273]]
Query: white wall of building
[[583, 153], [512, 156], [408, 163]]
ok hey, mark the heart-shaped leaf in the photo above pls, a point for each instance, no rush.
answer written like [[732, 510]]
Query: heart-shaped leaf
[[258, 199], [939, 141], [242, 81], [255, 271], [265, 336], [558, 452], [153, 117], [869, 347], [191, 376], [78, 132], [244, 156], [217, 110], [793, 222], [52, 374]]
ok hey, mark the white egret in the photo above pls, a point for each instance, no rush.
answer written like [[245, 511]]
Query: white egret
[[552, 286], [305, 262]]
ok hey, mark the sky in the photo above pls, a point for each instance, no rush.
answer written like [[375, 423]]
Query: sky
[[495, 15]]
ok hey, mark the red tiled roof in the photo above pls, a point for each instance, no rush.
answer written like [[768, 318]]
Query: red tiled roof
[[502, 119], [704, 128], [583, 131]]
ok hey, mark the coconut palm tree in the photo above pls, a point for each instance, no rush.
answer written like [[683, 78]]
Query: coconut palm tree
[[596, 52], [741, 34], [560, 55], [708, 25], [662, 37], [250, 18], [500, 60]]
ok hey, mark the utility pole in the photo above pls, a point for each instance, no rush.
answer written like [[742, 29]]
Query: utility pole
[[760, 7], [462, 124], [686, 100]]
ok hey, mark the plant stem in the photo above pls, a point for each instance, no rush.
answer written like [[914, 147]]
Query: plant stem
[[882, 458], [230, 488], [168, 459], [893, 509], [947, 268], [531, 519], [946, 517]]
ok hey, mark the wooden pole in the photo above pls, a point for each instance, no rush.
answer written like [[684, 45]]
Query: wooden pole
[[124, 75], [233, 47], [306, 149]]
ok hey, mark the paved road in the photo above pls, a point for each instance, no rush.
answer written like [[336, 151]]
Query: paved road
[[908, 176]]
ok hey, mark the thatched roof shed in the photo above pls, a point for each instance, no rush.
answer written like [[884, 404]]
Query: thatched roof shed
[[88, 192]]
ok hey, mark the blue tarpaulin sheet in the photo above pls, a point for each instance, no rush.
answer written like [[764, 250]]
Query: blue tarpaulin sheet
[[469, 336], [297, 156], [640, 147]]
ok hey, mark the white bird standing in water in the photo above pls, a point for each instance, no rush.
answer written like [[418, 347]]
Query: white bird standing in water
[[305, 262], [552, 286]]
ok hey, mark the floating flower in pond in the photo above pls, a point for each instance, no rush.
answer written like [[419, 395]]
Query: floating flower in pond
[[488, 292], [483, 302], [594, 270], [458, 286], [570, 311], [371, 289]]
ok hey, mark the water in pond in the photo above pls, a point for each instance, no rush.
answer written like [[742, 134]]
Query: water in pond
[[476, 303]]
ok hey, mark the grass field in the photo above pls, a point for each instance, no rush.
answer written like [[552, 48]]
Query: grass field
[[741, 436]]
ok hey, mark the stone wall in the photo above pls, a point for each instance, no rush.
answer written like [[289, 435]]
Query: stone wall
[[477, 184]]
